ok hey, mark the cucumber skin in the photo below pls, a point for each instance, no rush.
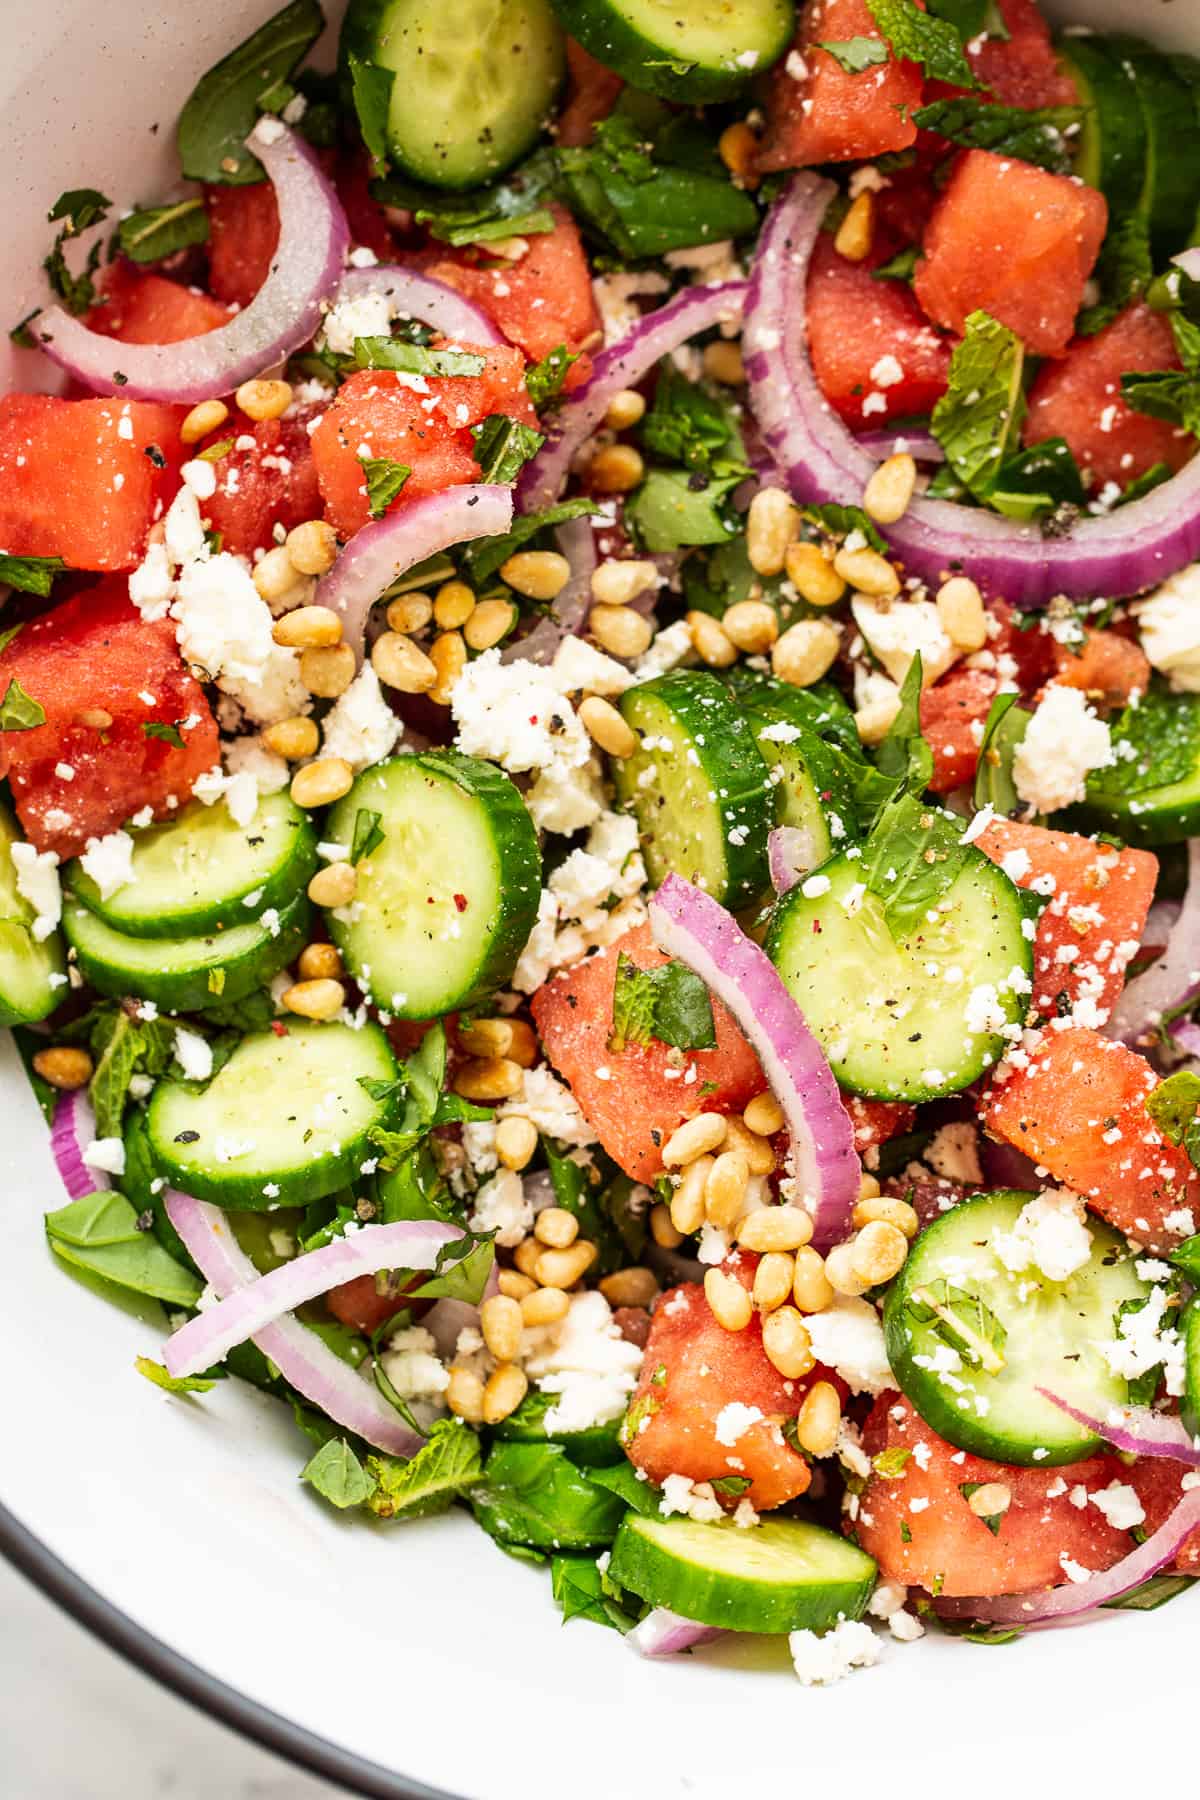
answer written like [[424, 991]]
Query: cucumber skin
[[1189, 1331], [732, 1604], [620, 46], [190, 992], [51, 948], [597, 1448], [1171, 127], [1173, 823], [1120, 177]]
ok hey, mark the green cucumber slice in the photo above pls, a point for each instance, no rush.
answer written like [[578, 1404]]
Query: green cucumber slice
[[188, 973], [196, 873], [446, 902], [703, 51], [598, 1447], [820, 708], [699, 788], [474, 87], [1189, 1331], [811, 779], [1030, 1333], [1172, 142], [779, 1575], [910, 1018], [1112, 138], [27, 992], [1151, 796], [284, 1122]]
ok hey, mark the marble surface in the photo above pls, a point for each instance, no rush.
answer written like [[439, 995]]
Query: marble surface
[[78, 1723]]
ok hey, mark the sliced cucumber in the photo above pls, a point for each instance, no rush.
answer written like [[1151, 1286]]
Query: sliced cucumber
[[26, 964], [1151, 793], [812, 781], [598, 1447], [780, 1575], [698, 786], [971, 1343], [1112, 137], [196, 873], [905, 1018], [1172, 142], [188, 973], [705, 50], [447, 900], [474, 86], [820, 708], [285, 1121], [1189, 1331]]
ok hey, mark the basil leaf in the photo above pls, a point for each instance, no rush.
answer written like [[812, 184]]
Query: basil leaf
[[18, 710], [1033, 135], [164, 732], [840, 521], [367, 833], [384, 481], [514, 207], [583, 1591], [685, 425], [544, 380], [29, 575], [923, 38], [224, 106], [630, 191], [160, 231], [1156, 743], [486, 555], [99, 1234], [669, 1002], [1004, 728], [173, 1384], [371, 92], [913, 856], [673, 510], [414, 359], [446, 1466], [903, 761], [532, 1494], [856, 54], [503, 446], [978, 418], [337, 1475]]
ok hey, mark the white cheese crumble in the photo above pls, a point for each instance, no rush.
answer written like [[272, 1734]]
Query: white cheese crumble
[[361, 727], [501, 1206], [224, 627], [897, 630], [586, 1363], [694, 1499], [734, 1421], [193, 1054], [106, 1154], [1050, 1235], [412, 1365], [36, 876], [551, 1106], [109, 862], [848, 1338], [1064, 742], [1120, 1505], [578, 665], [820, 1661], [1169, 623]]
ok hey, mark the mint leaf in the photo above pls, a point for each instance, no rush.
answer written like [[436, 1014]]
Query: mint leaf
[[337, 1475], [18, 710], [533, 1495], [583, 1591], [622, 1479], [923, 38], [901, 267], [669, 1002], [172, 1384], [1004, 728], [223, 107], [160, 231], [856, 54], [686, 425], [481, 227], [503, 446], [1039, 482], [384, 481], [368, 834], [444, 1468], [913, 856], [1156, 743], [78, 209], [544, 380], [414, 359], [1173, 1105], [1033, 135], [30, 574], [978, 418], [99, 1234], [163, 732]]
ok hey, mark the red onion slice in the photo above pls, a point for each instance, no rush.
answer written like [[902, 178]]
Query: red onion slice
[[74, 1128], [1171, 981], [577, 543], [820, 460], [306, 1363], [382, 551], [663, 1633], [922, 446], [211, 1335], [411, 295], [1137, 1430], [1187, 1035], [791, 854], [693, 310], [285, 312], [688, 924]]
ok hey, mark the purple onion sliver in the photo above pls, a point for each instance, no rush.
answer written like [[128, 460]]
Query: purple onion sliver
[[922, 446], [791, 855], [1137, 1430], [663, 1633], [412, 295], [74, 1128]]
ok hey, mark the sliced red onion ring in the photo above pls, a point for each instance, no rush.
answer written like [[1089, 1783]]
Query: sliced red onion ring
[[211, 1335], [577, 543], [74, 1128], [922, 446], [306, 1363], [382, 551], [1137, 1430], [663, 1633], [1187, 1035], [693, 310], [820, 460], [1065, 1605], [791, 854], [411, 295], [1171, 981], [285, 312], [690, 925]]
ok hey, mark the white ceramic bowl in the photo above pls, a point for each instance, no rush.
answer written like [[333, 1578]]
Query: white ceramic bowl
[[418, 1659]]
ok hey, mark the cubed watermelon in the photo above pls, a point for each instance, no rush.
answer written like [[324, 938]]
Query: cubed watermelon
[[1019, 67], [275, 483], [818, 112], [243, 230], [140, 307], [874, 353], [953, 711]]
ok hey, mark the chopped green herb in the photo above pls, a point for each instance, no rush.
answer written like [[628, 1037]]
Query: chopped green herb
[[924, 38], [503, 446], [163, 732], [544, 380], [891, 1464], [225, 103], [160, 231], [856, 54], [173, 1384], [486, 555], [1003, 730], [414, 359], [978, 418], [384, 481], [30, 574], [18, 710], [1039, 135], [669, 1002], [842, 521], [368, 833]]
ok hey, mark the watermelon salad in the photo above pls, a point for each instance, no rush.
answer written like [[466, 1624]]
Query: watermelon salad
[[600, 709]]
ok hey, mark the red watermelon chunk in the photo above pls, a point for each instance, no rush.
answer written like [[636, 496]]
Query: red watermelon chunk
[[90, 659], [953, 711], [243, 230], [1014, 241], [144, 308], [1021, 69], [817, 112], [874, 353], [274, 483], [84, 479], [592, 92]]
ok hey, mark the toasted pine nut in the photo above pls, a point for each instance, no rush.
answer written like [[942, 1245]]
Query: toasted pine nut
[[725, 1189], [625, 409], [605, 726], [869, 572], [620, 631], [464, 1396], [516, 1285], [563, 1268], [96, 718], [491, 621], [261, 400], [320, 999], [775, 1228], [960, 608], [787, 1343], [208, 415], [758, 1151], [516, 1141], [813, 575], [731, 1305], [505, 1390], [888, 492], [321, 783], [308, 628], [856, 232], [722, 361], [687, 1202], [990, 1500], [401, 665], [527, 1255], [630, 1287], [538, 574], [710, 642], [879, 1252], [773, 1280], [868, 1186], [312, 547], [292, 738], [695, 1137], [453, 605], [618, 580], [883, 1209], [616, 469], [556, 1228], [409, 613], [873, 721], [662, 1228], [320, 962], [276, 576], [806, 651], [328, 672], [764, 1115], [485, 1037], [771, 525], [811, 1290], [841, 1272], [751, 625], [737, 147], [334, 885], [818, 1420], [500, 1323], [489, 1078], [523, 1044], [448, 654], [64, 1066], [545, 1306], [509, 249]]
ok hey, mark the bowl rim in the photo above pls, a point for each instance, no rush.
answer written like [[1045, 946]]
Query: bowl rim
[[302, 1748]]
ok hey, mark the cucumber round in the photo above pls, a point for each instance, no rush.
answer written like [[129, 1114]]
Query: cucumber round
[[811, 778], [699, 788], [196, 873], [1164, 734], [446, 902], [27, 992], [474, 86], [1172, 142], [703, 51], [900, 1018], [598, 1447], [821, 708], [286, 1114], [1189, 1331], [780, 1575], [1112, 138], [188, 973], [1030, 1333]]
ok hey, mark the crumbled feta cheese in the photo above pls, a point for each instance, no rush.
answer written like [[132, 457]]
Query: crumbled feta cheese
[[587, 1363], [820, 1661], [1064, 742], [564, 798], [590, 902], [896, 630], [106, 1154], [1144, 1340], [953, 1153], [848, 1338], [615, 297], [1120, 1505], [361, 315], [479, 1145], [361, 727], [694, 1499], [671, 646], [578, 665], [152, 584], [249, 757], [1050, 1235], [516, 714], [734, 1421], [501, 1206], [239, 792], [193, 1054], [412, 1365], [224, 627], [36, 876], [201, 477], [277, 693], [183, 528], [551, 1106], [1169, 622], [109, 862]]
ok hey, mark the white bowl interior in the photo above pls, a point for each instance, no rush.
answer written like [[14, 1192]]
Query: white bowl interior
[[420, 1648]]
